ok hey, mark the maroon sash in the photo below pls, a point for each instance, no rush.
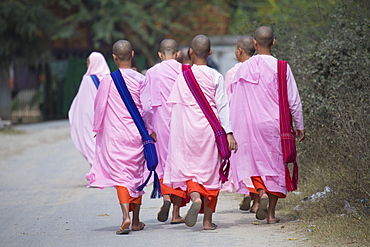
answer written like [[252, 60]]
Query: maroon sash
[[287, 133], [220, 135]]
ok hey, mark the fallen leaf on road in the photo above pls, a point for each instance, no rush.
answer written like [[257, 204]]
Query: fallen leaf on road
[[256, 222], [100, 215]]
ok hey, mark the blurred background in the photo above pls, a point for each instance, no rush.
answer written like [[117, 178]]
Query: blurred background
[[44, 45]]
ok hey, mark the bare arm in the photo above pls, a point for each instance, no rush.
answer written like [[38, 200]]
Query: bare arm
[[301, 135], [232, 142], [154, 136]]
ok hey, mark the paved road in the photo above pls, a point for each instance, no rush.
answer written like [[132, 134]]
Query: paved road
[[44, 202]]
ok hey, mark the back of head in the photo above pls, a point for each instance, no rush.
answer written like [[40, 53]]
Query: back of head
[[122, 49], [201, 46], [168, 47], [97, 64], [246, 44], [184, 57], [264, 36]]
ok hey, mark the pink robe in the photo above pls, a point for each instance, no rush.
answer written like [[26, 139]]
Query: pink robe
[[81, 112], [229, 79], [254, 110], [119, 158], [192, 151], [228, 186], [160, 79]]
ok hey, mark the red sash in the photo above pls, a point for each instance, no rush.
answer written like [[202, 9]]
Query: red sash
[[287, 133], [220, 135]]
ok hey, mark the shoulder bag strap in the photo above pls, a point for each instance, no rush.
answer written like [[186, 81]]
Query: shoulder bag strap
[[220, 135], [149, 147], [95, 80]]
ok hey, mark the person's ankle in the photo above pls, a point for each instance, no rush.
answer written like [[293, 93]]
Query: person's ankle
[[197, 200]]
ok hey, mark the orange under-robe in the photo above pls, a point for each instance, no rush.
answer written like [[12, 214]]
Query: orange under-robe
[[258, 184], [252, 190], [167, 190], [211, 195], [124, 197]]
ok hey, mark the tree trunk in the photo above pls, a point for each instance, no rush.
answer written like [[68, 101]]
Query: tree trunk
[[5, 95]]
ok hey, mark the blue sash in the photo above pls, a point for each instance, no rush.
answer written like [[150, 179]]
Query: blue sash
[[95, 80], [150, 152]]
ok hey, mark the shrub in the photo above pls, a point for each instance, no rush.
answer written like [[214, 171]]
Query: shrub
[[333, 79], [336, 93]]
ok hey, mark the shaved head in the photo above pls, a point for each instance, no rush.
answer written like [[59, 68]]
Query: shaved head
[[184, 56], [168, 47], [246, 44], [201, 46], [123, 50], [264, 36]]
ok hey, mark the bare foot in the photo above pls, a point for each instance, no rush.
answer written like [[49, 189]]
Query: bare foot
[[138, 227], [212, 226], [254, 207], [124, 227], [273, 220], [178, 220]]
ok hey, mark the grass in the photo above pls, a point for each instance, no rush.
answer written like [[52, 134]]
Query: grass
[[11, 131], [326, 221]]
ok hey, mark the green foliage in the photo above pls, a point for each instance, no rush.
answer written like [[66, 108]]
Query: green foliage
[[28, 27], [246, 15], [327, 44], [328, 50], [337, 106], [22, 25], [143, 22]]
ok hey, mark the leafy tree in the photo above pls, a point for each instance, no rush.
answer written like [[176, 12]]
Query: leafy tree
[[336, 86], [327, 45], [145, 22], [30, 28], [27, 29]]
